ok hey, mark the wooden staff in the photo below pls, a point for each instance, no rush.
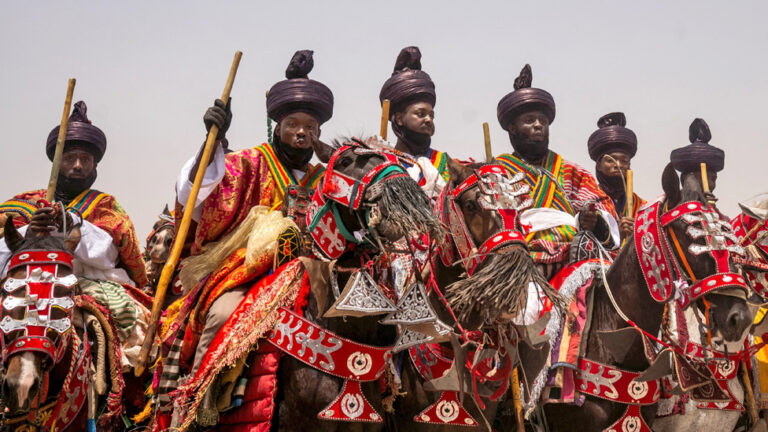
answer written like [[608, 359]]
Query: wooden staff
[[487, 137], [181, 234], [705, 181], [60, 142], [630, 194], [517, 400], [384, 119]]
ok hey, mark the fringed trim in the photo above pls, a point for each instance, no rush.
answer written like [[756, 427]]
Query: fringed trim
[[114, 400], [253, 324]]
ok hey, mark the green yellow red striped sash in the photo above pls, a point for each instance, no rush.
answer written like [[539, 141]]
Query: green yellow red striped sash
[[440, 161], [23, 207], [284, 177], [87, 201], [545, 191]]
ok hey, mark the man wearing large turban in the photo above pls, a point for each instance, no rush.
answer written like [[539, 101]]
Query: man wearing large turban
[[109, 248], [235, 183], [612, 146], [412, 98], [566, 198], [688, 159]]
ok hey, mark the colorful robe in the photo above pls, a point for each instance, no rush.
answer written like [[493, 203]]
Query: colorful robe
[[566, 187], [620, 206], [98, 208], [252, 177]]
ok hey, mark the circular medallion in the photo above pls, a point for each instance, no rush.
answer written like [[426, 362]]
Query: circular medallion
[[447, 411], [637, 389], [352, 405], [631, 424], [359, 363]]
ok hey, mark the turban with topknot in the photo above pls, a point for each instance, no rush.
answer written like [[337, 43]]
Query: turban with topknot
[[689, 158], [612, 135], [79, 128], [299, 93], [408, 83], [524, 99]]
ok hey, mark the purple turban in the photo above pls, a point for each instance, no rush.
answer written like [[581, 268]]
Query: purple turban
[[408, 83], [611, 136], [524, 99], [79, 128], [299, 93], [689, 158]]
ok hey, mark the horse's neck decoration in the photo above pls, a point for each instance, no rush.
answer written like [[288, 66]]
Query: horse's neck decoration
[[499, 192], [331, 236], [660, 260], [36, 295]]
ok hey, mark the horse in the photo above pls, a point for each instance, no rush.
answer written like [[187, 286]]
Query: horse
[[158, 248], [485, 271], [628, 306], [364, 205], [46, 359]]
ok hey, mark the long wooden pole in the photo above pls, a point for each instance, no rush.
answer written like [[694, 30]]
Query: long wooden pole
[[60, 142], [384, 119], [705, 181], [630, 194], [517, 400], [181, 234], [487, 139]]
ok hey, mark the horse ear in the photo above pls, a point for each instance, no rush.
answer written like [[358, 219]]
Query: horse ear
[[166, 211], [670, 182], [322, 150], [12, 237], [73, 238], [458, 172]]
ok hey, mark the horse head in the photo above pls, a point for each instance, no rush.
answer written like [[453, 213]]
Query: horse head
[[37, 303], [702, 244], [367, 198], [480, 206]]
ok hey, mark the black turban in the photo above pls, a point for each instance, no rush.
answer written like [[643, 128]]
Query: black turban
[[408, 83], [524, 99], [688, 159], [299, 93], [80, 129], [611, 136]]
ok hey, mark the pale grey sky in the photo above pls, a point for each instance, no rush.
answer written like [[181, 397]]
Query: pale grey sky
[[149, 69]]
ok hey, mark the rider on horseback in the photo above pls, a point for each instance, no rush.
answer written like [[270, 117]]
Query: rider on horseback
[[109, 246], [612, 146], [236, 182], [566, 198], [107, 258], [412, 97]]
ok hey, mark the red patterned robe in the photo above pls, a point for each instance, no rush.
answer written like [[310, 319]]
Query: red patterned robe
[[565, 187], [98, 208]]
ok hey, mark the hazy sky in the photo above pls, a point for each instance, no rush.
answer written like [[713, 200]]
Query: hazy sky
[[148, 70]]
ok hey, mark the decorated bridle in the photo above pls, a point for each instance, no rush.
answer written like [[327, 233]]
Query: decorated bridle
[[36, 295], [661, 257], [499, 192], [327, 229], [38, 331]]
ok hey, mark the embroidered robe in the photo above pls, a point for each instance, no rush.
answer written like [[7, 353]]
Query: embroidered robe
[[560, 185], [98, 208]]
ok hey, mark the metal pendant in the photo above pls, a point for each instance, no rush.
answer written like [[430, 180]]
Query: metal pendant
[[361, 297], [412, 308]]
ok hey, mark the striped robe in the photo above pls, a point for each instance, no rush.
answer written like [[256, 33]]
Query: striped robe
[[560, 185], [98, 208]]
